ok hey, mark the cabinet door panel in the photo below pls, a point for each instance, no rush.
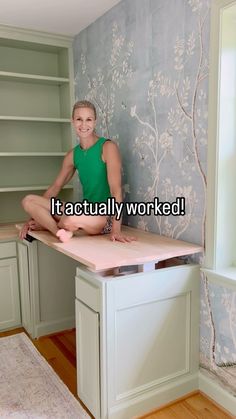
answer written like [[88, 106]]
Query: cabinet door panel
[[7, 250], [87, 346], [9, 294], [24, 287]]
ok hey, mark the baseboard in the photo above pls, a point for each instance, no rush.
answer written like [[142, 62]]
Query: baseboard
[[46, 328], [218, 394], [171, 403], [153, 399]]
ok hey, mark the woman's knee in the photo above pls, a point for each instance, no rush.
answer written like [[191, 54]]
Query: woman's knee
[[27, 201]]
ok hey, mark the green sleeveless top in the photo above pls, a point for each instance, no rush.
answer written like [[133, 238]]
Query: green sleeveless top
[[92, 171]]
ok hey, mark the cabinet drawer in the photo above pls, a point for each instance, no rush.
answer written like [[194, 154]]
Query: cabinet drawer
[[7, 250], [87, 293]]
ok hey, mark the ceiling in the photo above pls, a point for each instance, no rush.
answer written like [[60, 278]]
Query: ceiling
[[66, 17], [230, 12]]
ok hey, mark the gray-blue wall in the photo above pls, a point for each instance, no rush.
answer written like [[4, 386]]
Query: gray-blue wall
[[145, 66]]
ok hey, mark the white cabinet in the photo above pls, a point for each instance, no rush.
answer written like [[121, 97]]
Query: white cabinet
[[47, 289], [9, 287], [42, 298], [23, 263], [137, 336], [87, 348]]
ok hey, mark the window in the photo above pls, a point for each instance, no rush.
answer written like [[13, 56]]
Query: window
[[221, 197]]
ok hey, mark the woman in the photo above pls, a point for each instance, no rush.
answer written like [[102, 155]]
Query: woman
[[99, 165]]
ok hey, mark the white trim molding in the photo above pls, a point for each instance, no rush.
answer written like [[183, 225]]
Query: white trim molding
[[216, 392], [217, 9], [40, 37]]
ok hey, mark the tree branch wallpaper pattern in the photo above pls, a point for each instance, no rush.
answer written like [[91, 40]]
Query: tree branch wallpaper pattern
[[145, 66]]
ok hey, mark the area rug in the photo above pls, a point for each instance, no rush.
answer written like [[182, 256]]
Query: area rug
[[29, 388]]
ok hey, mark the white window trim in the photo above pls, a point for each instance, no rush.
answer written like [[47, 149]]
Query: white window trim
[[217, 8]]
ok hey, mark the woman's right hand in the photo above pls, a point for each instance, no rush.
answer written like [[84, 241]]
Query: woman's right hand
[[24, 230], [29, 225]]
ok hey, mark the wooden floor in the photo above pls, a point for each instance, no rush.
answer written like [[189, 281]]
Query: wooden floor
[[59, 351], [194, 407]]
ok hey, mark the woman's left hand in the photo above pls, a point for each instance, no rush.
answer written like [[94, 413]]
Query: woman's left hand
[[119, 237]]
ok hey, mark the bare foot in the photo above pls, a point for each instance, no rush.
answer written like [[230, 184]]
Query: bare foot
[[33, 225], [64, 235]]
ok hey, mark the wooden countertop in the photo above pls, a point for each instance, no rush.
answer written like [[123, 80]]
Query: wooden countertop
[[99, 253], [8, 231]]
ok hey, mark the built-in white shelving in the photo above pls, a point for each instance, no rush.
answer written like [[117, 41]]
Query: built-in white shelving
[[32, 154], [32, 78], [37, 94], [30, 188], [33, 119]]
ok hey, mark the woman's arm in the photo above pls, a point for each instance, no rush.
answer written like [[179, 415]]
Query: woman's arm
[[65, 175], [111, 156]]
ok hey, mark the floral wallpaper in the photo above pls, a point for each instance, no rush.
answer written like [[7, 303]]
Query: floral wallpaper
[[218, 333], [145, 66]]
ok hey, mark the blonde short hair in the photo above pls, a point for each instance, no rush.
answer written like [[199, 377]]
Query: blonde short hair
[[84, 104]]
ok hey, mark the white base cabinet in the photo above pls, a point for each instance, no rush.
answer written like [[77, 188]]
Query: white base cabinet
[[23, 263], [137, 334], [10, 315], [47, 289], [148, 327], [87, 344], [41, 297]]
